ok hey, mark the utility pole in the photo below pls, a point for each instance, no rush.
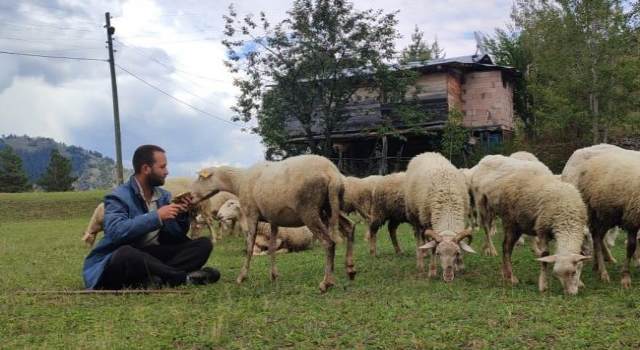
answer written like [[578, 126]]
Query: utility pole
[[114, 93]]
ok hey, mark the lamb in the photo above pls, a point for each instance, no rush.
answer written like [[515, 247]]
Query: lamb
[[531, 200], [493, 169], [224, 226], [173, 185], [358, 196], [387, 205], [437, 201], [96, 225], [609, 185], [304, 190], [290, 239]]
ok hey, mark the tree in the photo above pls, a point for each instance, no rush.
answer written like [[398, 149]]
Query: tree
[[12, 175], [584, 68], [309, 66], [420, 50], [57, 177]]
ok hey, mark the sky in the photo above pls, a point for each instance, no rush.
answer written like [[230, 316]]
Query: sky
[[173, 89]]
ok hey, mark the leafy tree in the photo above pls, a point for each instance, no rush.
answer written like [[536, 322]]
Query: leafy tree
[[454, 138], [309, 67], [420, 50], [57, 177], [12, 175], [584, 65]]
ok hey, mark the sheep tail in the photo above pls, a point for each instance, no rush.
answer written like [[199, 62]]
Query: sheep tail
[[335, 193]]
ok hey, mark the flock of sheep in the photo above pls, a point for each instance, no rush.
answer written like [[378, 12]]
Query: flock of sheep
[[281, 206]]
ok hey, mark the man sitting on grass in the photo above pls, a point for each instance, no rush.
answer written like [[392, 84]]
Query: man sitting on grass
[[145, 241]]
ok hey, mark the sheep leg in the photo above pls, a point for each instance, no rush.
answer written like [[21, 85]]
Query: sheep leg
[[348, 229], [320, 230], [373, 231], [273, 246], [487, 222], [598, 236], [392, 226], [632, 234], [420, 253], [534, 246], [251, 240], [543, 246], [511, 235]]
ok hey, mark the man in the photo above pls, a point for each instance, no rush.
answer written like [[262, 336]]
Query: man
[[145, 242]]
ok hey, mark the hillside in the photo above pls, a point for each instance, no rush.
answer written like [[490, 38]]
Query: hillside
[[93, 170]]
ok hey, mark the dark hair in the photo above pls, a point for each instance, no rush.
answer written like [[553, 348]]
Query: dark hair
[[144, 155]]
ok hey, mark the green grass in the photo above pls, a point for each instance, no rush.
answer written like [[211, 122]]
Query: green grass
[[390, 305]]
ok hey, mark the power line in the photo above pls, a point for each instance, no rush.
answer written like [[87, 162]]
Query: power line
[[178, 100], [49, 56]]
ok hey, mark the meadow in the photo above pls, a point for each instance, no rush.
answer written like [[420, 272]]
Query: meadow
[[390, 305]]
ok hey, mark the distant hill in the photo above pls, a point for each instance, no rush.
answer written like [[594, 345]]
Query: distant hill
[[93, 170]]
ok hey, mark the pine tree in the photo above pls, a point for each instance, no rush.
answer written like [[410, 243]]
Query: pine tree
[[12, 175], [57, 177]]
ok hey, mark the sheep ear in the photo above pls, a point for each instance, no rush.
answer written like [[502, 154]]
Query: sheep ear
[[548, 258], [429, 245], [204, 174], [466, 247], [576, 258]]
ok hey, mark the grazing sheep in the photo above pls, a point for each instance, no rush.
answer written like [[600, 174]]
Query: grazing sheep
[[495, 167], [299, 191], [437, 200], [387, 205], [358, 195], [472, 216], [530, 200], [225, 226], [95, 226], [571, 174], [290, 239], [173, 185], [610, 187]]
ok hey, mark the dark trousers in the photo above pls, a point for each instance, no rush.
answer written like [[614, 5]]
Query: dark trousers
[[132, 267]]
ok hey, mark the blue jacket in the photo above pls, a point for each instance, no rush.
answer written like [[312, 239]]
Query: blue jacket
[[127, 221]]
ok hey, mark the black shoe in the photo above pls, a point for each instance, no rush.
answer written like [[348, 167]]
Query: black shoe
[[205, 275]]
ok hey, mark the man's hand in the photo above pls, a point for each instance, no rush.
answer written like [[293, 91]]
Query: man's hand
[[178, 205]]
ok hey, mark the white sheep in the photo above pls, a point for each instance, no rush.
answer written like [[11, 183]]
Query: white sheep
[[225, 226], [495, 167], [290, 239], [571, 173], [303, 190], [610, 187], [530, 200], [95, 226], [437, 200], [388, 204]]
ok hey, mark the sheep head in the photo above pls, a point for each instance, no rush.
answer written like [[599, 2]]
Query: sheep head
[[230, 210], [448, 248], [205, 186], [568, 269]]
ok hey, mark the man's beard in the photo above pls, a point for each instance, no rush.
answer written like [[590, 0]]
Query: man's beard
[[155, 180]]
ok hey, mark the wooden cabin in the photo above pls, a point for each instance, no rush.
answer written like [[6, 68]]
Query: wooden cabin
[[472, 84]]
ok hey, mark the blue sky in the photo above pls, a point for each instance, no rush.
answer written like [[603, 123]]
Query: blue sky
[[173, 89]]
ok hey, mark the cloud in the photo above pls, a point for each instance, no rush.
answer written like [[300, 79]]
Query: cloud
[[173, 88]]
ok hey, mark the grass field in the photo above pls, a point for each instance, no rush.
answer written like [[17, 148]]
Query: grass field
[[390, 305]]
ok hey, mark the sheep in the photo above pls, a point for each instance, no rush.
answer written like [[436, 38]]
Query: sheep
[[387, 205], [609, 185], [571, 173], [290, 239], [437, 202], [173, 185], [358, 196], [494, 168], [96, 225], [224, 226], [531, 200], [304, 190]]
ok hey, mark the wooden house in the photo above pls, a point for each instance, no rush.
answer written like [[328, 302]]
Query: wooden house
[[472, 84]]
